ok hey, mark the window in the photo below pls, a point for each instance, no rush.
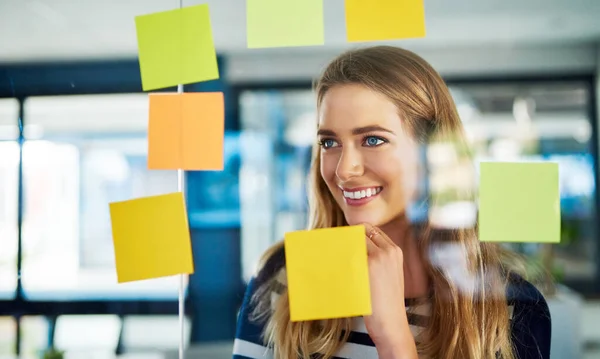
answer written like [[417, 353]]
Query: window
[[9, 186], [150, 333], [531, 121], [278, 130], [80, 154], [34, 336], [89, 334], [514, 121], [8, 336]]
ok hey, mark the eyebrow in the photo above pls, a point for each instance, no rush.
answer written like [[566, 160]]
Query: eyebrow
[[356, 131]]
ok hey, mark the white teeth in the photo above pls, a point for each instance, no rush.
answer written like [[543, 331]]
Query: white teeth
[[362, 193]]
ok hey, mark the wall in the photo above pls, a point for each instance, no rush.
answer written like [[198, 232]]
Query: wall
[[302, 65]]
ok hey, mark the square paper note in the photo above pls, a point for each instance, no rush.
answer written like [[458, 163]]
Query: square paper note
[[284, 23], [519, 202], [327, 272], [151, 237], [176, 47], [373, 20], [185, 131]]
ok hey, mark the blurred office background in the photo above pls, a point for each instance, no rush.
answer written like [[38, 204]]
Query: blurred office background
[[73, 121]]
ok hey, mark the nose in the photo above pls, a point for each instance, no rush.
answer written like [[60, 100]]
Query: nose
[[349, 165]]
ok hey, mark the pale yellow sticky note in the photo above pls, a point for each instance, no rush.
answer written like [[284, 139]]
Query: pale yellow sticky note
[[519, 202], [284, 23], [374, 20], [176, 47], [328, 274], [151, 237]]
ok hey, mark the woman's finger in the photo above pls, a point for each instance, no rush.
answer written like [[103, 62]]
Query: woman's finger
[[371, 247], [377, 236]]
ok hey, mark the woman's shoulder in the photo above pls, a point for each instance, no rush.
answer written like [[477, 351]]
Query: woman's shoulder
[[531, 323], [520, 291], [526, 300]]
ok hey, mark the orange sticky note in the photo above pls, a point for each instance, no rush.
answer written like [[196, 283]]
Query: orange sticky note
[[327, 273], [374, 20], [151, 237], [185, 131]]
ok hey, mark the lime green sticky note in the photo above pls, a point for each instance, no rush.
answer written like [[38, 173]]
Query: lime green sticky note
[[519, 202], [176, 47], [284, 23], [327, 273], [374, 20], [151, 237]]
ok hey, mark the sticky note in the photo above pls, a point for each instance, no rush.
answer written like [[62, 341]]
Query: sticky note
[[185, 131], [176, 47], [284, 23], [327, 273], [519, 202], [374, 20], [151, 237]]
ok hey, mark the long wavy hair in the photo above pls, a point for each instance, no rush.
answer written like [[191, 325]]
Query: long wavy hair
[[469, 312]]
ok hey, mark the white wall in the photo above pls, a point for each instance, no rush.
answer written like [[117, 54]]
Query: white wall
[[297, 65]]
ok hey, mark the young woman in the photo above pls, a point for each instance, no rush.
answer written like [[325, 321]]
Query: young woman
[[436, 293]]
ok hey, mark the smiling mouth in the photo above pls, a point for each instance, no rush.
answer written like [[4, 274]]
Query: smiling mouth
[[361, 193]]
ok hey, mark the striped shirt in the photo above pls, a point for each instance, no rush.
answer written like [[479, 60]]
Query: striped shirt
[[528, 311]]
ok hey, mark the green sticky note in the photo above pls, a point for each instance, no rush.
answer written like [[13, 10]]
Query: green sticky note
[[519, 202], [284, 23], [176, 47]]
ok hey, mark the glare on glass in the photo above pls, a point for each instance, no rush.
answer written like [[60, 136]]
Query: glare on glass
[[81, 153]]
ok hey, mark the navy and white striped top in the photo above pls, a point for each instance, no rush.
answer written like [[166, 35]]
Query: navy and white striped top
[[528, 310]]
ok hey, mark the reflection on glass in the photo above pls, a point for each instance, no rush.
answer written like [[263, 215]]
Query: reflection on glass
[[8, 336], [278, 130], [9, 116], [9, 172], [542, 122], [151, 333], [34, 336], [215, 203], [502, 121], [90, 335], [80, 154]]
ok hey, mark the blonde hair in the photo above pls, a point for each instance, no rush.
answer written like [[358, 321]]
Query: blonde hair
[[467, 321]]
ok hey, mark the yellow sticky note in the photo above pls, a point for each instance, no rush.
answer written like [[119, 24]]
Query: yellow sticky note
[[176, 47], [519, 202], [186, 131], [374, 20], [327, 272], [284, 23], [151, 237]]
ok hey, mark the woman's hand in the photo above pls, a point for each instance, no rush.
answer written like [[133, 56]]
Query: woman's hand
[[388, 323]]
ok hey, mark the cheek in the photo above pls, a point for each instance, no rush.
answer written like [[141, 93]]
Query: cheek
[[399, 171], [327, 167], [387, 170]]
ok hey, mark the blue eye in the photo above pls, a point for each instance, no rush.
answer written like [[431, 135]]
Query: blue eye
[[327, 143], [373, 141]]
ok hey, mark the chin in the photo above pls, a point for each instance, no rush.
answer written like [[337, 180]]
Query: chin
[[354, 220]]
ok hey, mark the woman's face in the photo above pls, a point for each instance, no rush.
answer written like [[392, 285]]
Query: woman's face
[[368, 160]]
